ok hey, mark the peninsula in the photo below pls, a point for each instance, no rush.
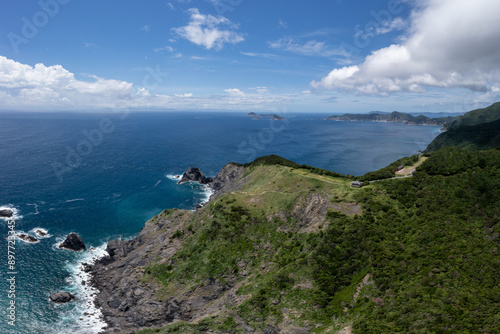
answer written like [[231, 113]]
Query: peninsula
[[395, 116]]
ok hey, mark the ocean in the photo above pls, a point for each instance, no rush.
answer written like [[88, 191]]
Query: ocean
[[104, 175]]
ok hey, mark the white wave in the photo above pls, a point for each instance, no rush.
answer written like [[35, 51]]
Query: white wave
[[157, 183], [172, 177], [41, 229], [59, 240], [207, 193], [36, 207], [75, 200], [84, 317], [15, 212]]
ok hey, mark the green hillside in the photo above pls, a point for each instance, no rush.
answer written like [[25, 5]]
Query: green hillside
[[476, 130], [294, 250], [478, 116], [478, 137]]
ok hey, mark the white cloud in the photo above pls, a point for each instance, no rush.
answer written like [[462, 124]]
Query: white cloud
[[283, 24], [145, 28], [165, 48], [309, 48], [45, 86], [143, 92], [261, 89], [204, 30], [184, 95], [42, 87], [450, 43], [234, 92]]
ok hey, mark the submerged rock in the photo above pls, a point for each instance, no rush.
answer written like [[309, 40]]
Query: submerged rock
[[62, 297], [6, 213], [73, 242]]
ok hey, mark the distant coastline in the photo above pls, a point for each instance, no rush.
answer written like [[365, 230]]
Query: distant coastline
[[395, 116]]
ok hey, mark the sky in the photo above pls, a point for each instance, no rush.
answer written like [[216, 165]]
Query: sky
[[321, 56]]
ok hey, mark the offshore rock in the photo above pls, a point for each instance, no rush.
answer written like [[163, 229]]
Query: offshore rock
[[6, 213], [73, 242], [62, 297], [194, 174], [27, 238]]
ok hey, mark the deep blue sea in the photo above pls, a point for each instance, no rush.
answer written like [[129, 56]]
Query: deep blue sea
[[103, 175]]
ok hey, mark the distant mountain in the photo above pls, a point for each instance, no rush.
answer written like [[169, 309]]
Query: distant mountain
[[394, 116]]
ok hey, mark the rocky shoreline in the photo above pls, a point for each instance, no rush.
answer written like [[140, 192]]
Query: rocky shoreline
[[129, 303]]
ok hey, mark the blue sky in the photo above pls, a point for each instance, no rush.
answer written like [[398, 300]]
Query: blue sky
[[239, 55]]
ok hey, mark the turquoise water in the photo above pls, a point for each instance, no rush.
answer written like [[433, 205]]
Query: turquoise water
[[104, 175]]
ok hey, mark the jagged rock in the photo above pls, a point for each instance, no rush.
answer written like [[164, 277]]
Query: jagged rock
[[62, 297], [6, 213], [41, 233], [73, 242], [27, 237], [196, 175], [118, 248]]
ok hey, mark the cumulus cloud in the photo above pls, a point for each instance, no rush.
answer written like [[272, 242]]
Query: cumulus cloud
[[449, 43], [25, 85], [207, 31]]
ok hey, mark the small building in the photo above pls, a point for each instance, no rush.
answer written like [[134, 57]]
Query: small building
[[399, 168], [356, 184]]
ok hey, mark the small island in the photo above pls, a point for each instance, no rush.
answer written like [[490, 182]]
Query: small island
[[274, 117], [395, 116]]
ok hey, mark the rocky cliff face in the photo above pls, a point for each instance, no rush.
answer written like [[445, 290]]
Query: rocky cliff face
[[129, 303]]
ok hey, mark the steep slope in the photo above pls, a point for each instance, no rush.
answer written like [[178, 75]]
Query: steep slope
[[483, 136], [285, 248], [478, 116]]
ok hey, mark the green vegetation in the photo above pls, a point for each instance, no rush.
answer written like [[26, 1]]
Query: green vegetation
[[429, 242], [478, 137], [478, 116]]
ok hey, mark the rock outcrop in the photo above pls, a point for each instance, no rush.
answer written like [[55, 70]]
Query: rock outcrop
[[27, 238], [6, 213], [195, 175], [73, 242], [62, 297]]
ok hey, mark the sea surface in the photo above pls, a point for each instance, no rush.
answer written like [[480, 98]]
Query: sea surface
[[104, 175]]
